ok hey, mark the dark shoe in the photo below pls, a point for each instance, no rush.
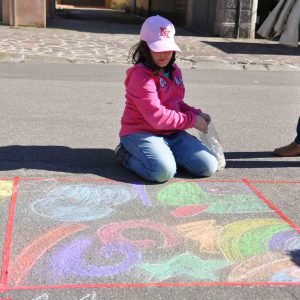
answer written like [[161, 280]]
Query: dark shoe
[[120, 154], [293, 149]]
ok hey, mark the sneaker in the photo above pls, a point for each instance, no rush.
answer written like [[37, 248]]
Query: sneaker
[[120, 154], [290, 150]]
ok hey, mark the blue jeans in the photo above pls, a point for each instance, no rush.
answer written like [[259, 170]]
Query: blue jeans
[[297, 139], [155, 157]]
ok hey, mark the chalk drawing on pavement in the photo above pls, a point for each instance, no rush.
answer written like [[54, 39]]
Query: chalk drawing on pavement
[[42, 297], [23, 263], [225, 188], [89, 296], [6, 188], [142, 192], [290, 274], [187, 265], [261, 267], [79, 203], [186, 194], [204, 235], [110, 232], [69, 259], [189, 211], [247, 238], [285, 241]]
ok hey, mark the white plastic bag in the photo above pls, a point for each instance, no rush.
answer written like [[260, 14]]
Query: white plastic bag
[[212, 141]]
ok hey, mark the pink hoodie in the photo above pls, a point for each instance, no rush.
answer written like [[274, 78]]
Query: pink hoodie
[[155, 104]]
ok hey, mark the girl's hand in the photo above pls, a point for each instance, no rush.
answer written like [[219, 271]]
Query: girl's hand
[[206, 117], [201, 124]]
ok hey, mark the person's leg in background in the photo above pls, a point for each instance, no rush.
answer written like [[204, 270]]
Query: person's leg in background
[[293, 149], [297, 139]]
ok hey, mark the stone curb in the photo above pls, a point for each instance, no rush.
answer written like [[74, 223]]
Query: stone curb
[[182, 62]]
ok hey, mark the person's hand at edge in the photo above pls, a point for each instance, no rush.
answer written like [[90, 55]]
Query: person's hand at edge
[[201, 124], [206, 117]]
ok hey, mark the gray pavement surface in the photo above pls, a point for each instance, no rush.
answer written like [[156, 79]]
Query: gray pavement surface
[[62, 97], [61, 121], [105, 36]]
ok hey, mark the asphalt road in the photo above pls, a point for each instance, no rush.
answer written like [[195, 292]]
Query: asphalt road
[[75, 110], [62, 121]]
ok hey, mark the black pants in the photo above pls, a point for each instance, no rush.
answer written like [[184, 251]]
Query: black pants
[[297, 139]]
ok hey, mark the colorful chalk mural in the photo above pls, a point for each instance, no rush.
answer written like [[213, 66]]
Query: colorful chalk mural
[[106, 232], [6, 189]]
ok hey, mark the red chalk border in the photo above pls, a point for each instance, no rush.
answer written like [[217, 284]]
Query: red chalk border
[[6, 255], [8, 237], [271, 205]]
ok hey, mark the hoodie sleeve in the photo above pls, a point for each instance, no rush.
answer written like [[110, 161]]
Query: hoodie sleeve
[[142, 90], [185, 107]]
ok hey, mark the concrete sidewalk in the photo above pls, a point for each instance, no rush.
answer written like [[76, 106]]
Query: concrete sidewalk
[[105, 36]]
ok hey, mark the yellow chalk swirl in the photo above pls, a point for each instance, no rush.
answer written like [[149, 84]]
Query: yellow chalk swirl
[[6, 187]]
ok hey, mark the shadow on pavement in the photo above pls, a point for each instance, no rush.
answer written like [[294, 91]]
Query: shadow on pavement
[[237, 160], [254, 48], [96, 21], [101, 162], [64, 159], [242, 155], [261, 164], [100, 21], [295, 256]]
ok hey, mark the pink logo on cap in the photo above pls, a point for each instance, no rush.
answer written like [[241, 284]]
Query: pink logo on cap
[[164, 32]]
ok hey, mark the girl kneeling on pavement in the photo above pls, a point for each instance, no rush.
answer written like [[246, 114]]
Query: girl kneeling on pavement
[[153, 137]]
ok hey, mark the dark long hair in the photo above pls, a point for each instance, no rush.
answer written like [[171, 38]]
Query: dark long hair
[[140, 53]]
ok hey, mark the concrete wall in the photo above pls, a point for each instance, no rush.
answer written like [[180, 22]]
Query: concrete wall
[[0, 9], [201, 16], [180, 11], [175, 10], [163, 8], [86, 3], [50, 9], [28, 12], [234, 20], [142, 7], [31, 13], [119, 4], [7, 12], [130, 6], [166, 6]]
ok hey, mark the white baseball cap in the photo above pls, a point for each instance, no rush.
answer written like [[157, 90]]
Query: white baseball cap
[[159, 33]]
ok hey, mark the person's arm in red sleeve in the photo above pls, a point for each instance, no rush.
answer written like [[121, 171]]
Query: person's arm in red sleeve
[[185, 107]]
